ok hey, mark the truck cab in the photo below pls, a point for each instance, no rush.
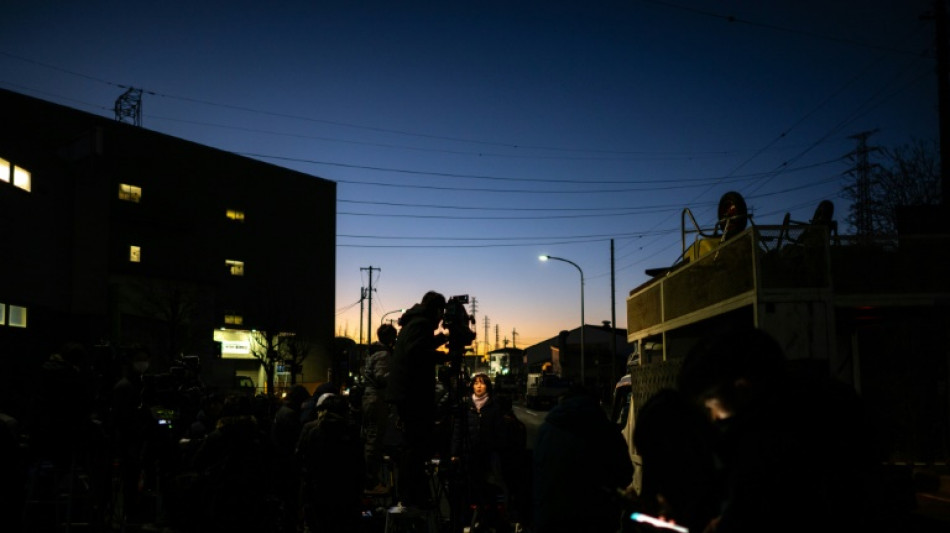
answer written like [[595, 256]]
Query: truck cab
[[544, 389]]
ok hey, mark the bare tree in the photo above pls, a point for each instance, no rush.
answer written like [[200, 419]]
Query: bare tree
[[266, 347], [280, 336], [296, 349], [164, 315], [908, 175]]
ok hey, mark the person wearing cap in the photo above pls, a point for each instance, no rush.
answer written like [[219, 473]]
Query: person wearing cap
[[285, 430], [330, 451]]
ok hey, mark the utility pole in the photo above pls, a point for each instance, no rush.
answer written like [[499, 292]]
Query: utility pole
[[613, 315], [474, 301], [864, 215], [369, 308], [486, 335], [497, 333], [362, 298], [514, 337]]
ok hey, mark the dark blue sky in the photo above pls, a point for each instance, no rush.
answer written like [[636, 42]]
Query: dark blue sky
[[469, 137]]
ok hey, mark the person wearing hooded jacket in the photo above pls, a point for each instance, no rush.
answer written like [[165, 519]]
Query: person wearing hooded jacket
[[794, 447], [580, 461], [234, 467], [330, 451], [375, 409], [285, 431], [411, 389]]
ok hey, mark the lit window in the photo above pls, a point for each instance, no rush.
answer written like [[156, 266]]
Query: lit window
[[130, 193], [235, 320], [3, 314], [234, 214], [4, 170], [21, 178], [135, 254], [17, 318], [236, 267]]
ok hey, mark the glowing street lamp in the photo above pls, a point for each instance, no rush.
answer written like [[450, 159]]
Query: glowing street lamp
[[551, 257], [382, 319]]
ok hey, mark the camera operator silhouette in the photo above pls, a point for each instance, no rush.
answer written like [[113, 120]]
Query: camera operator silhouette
[[411, 389]]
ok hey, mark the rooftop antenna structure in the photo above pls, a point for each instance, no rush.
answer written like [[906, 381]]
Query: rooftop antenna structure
[[128, 107]]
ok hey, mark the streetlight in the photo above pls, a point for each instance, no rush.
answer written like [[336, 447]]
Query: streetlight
[[383, 318], [547, 257]]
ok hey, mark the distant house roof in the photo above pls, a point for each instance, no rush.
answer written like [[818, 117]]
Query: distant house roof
[[594, 336]]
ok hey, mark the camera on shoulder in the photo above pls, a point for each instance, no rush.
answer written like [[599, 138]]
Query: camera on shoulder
[[457, 320]]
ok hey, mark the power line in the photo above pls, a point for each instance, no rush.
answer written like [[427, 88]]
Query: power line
[[597, 214], [532, 238], [519, 208], [513, 146], [499, 245], [348, 307], [625, 210], [652, 183], [482, 217], [615, 156], [496, 245], [535, 240]]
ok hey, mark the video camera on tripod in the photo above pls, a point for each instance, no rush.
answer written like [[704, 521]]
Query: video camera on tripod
[[456, 319]]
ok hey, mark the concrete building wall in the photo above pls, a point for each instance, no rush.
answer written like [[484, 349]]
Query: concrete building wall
[[66, 246]]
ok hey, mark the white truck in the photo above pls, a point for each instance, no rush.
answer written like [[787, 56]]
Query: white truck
[[872, 313], [544, 389]]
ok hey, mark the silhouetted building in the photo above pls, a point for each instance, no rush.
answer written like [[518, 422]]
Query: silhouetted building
[[605, 355], [114, 233]]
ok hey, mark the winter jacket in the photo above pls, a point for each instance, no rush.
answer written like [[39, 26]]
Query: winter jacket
[[411, 380], [482, 432], [376, 372], [580, 461]]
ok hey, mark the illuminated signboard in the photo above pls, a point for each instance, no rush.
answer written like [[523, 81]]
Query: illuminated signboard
[[234, 343], [235, 348]]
